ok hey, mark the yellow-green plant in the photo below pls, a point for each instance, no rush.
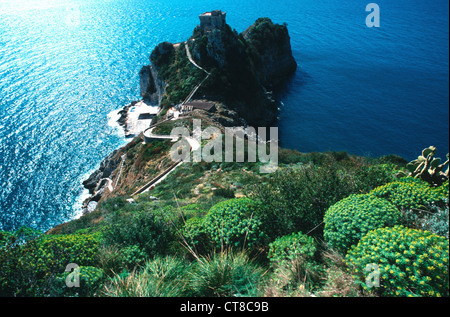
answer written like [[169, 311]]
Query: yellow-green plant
[[234, 223], [90, 281], [291, 247], [350, 219], [293, 258], [31, 268], [412, 193], [407, 262], [195, 236], [56, 251]]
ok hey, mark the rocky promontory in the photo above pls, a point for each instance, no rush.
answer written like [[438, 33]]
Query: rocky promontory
[[238, 72], [243, 68]]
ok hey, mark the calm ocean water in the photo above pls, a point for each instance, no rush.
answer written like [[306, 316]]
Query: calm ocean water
[[66, 64]]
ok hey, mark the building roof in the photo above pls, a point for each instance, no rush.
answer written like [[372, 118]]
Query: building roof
[[199, 104], [214, 13]]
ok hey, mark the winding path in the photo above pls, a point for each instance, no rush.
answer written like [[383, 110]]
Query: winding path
[[188, 53], [148, 133]]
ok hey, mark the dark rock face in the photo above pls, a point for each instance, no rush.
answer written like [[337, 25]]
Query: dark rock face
[[152, 87], [99, 180], [146, 82], [162, 54], [271, 51], [244, 67], [107, 167]]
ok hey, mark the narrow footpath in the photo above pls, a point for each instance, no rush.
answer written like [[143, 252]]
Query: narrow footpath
[[148, 133]]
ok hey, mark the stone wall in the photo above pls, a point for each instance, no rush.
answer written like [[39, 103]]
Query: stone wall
[[212, 20]]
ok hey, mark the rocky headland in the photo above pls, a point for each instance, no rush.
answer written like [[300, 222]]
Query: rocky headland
[[238, 72]]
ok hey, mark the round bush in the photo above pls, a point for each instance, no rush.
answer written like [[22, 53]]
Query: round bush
[[54, 252], [350, 219], [195, 235], [151, 232], [410, 262], [291, 247], [233, 223], [411, 193], [90, 279]]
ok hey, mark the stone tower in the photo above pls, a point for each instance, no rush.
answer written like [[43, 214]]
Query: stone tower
[[212, 20]]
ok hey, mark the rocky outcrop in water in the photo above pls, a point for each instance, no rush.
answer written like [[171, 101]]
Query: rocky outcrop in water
[[100, 179], [242, 71], [271, 51], [151, 86], [245, 67]]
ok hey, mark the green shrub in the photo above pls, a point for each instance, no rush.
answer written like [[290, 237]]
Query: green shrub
[[293, 259], [192, 210], [411, 262], [234, 223], [149, 232], [30, 269], [412, 193], [368, 177], [225, 275], [132, 256], [351, 218], [394, 159], [295, 200], [224, 192], [195, 235], [56, 251], [288, 156], [443, 190], [90, 279], [291, 247]]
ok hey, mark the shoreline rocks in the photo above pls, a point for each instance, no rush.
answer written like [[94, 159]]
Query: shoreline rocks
[[100, 179]]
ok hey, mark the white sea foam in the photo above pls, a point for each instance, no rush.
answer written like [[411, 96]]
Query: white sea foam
[[78, 206], [113, 116]]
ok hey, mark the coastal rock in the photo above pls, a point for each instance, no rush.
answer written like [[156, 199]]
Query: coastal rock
[[244, 67], [271, 51], [123, 116], [162, 54], [99, 180], [146, 82], [151, 86]]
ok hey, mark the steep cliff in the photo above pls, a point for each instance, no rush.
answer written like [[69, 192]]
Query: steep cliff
[[152, 87], [270, 49]]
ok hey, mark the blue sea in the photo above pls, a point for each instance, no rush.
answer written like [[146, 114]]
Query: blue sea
[[67, 65]]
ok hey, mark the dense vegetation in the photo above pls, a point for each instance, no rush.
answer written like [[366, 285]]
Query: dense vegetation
[[411, 262], [310, 228], [176, 71]]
